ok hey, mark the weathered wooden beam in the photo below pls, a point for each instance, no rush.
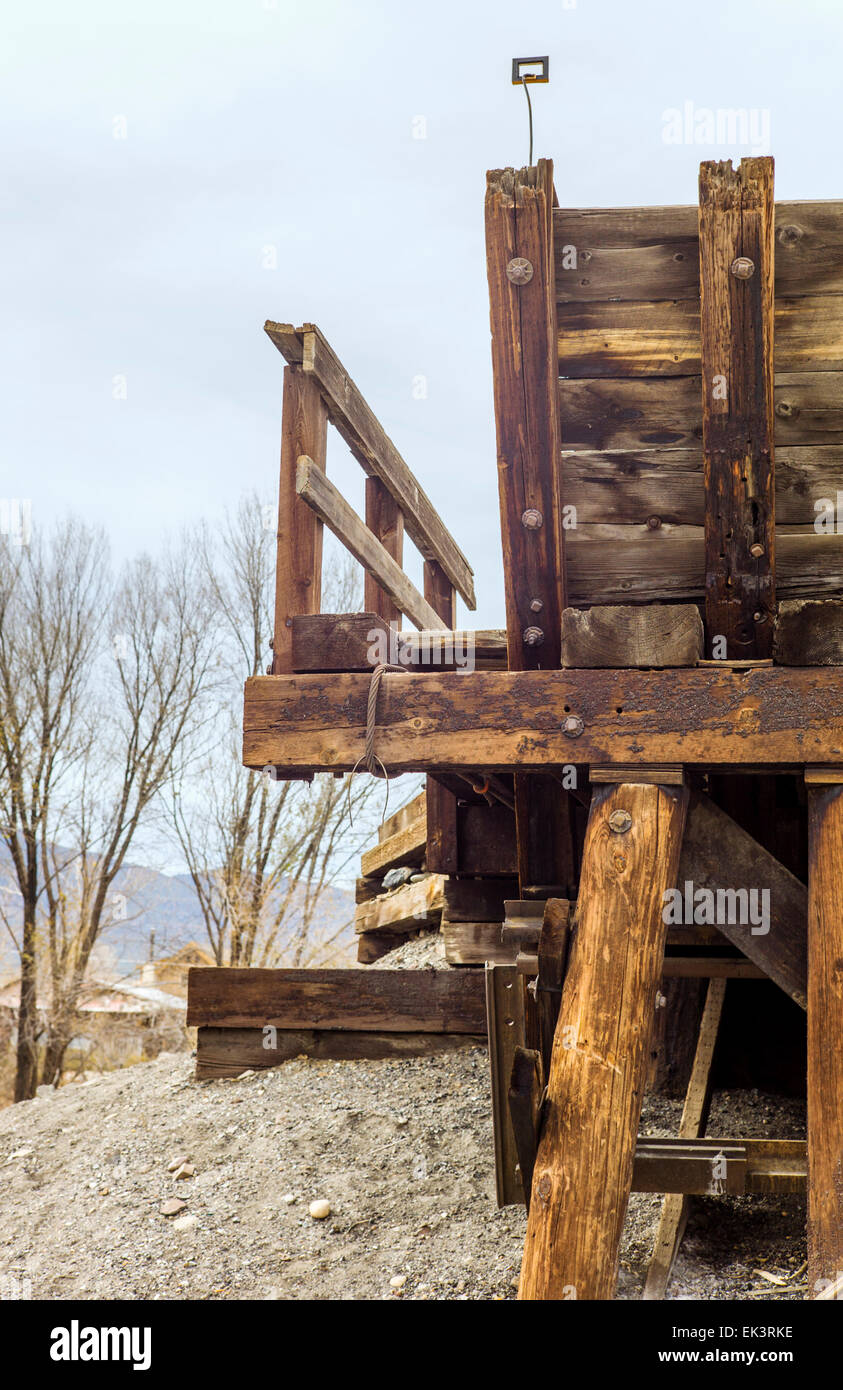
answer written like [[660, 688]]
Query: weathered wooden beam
[[222, 1052], [314, 488], [717, 854], [674, 1213], [374, 450], [583, 1172], [406, 815], [552, 959], [337, 641], [736, 295], [478, 899], [392, 1001], [809, 632], [408, 908], [298, 571], [526, 1092], [825, 1035], [404, 847], [386, 522], [475, 943], [520, 720], [655, 635], [653, 252]]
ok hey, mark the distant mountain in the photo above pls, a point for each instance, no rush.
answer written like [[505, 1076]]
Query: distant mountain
[[163, 904]]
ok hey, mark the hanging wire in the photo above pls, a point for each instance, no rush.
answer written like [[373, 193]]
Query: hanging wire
[[526, 87]]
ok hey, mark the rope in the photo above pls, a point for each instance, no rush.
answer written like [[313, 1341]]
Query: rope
[[370, 759]]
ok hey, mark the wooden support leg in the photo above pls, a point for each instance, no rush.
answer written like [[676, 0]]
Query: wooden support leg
[[298, 574], [583, 1171], [825, 1036], [692, 1126]]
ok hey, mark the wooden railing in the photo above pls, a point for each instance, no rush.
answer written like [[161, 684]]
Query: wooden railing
[[317, 389]]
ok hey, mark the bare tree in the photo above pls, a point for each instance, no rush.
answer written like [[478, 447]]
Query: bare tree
[[263, 854], [52, 608]]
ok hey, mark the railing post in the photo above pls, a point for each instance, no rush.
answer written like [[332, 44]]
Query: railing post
[[298, 570]]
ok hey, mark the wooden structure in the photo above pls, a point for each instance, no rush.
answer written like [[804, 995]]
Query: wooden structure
[[655, 737]]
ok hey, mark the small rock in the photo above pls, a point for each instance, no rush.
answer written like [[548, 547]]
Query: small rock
[[398, 1281], [187, 1170], [320, 1209], [244, 1074], [172, 1206], [396, 877], [186, 1223], [289, 1198], [177, 1163]]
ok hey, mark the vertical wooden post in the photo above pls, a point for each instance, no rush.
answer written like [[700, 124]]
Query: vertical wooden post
[[525, 364], [825, 1035], [440, 593], [386, 520], [298, 571], [736, 301], [583, 1171], [442, 825]]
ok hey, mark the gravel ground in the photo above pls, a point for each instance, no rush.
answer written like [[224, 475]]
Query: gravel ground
[[402, 1151]]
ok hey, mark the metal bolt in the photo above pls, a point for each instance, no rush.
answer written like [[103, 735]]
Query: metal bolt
[[742, 267], [536, 605], [573, 726], [620, 821], [661, 1000], [531, 519], [654, 522], [519, 271], [533, 636], [269, 670], [788, 235], [756, 550]]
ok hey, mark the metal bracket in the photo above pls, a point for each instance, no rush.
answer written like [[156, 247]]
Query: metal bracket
[[518, 63]]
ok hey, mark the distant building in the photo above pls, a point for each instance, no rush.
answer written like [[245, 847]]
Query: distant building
[[170, 972]]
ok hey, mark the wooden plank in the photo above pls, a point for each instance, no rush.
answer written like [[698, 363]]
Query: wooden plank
[[386, 522], [442, 828], [313, 487], [408, 908], [584, 1166], [656, 635], [478, 899], [809, 632], [736, 222], [653, 488], [707, 1169], [718, 854], [526, 1092], [509, 721], [406, 815], [439, 592], [825, 1035], [505, 1012], [392, 1001], [553, 947], [518, 227], [653, 252], [627, 564], [374, 945], [666, 412], [475, 943], [222, 1052], [674, 1213], [487, 840], [405, 847], [337, 641], [375, 451], [367, 888], [298, 572], [662, 337], [711, 968], [484, 649]]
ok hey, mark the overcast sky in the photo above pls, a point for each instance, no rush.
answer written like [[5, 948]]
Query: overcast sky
[[161, 157]]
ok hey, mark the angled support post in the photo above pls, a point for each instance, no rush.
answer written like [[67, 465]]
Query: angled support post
[[583, 1171]]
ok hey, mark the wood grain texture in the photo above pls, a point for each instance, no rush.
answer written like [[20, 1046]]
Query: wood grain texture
[[512, 721], [653, 252], [553, 948], [337, 641], [385, 520], [475, 943], [405, 909], [298, 566], [809, 632], [314, 488], [373, 449], [655, 635], [583, 1171], [392, 1001], [736, 220], [478, 899], [405, 846], [825, 1035], [224, 1052]]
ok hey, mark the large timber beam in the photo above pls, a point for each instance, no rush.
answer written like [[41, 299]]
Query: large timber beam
[[512, 721], [583, 1171]]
